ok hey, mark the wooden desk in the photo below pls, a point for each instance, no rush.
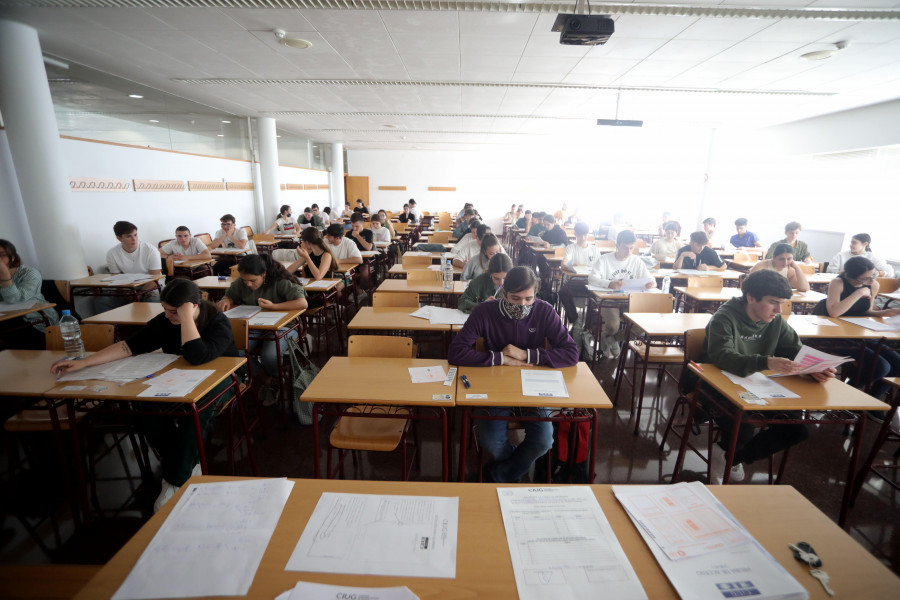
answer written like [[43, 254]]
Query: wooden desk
[[230, 251], [830, 403], [774, 515], [136, 314], [391, 318], [95, 286], [45, 582], [503, 386], [434, 289], [399, 271], [12, 314], [27, 372], [709, 299], [729, 277], [214, 286], [381, 382]]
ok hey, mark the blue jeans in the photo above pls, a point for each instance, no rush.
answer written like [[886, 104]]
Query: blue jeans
[[510, 463], [888, 365], [268, 352]]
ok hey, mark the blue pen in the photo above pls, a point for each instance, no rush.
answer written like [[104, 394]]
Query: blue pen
[[138, 379], [465, 381]]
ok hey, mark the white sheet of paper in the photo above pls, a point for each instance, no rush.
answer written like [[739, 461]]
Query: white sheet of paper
[[636, 285], [368, 534], [816, 361], [597, 288], [761, 385], [814, 320], [305, 590], [698, 272], [175, 383], [891, 324], [582, 269], [562, 545], [242, 312], [321, 284], [427, 374], [422, 313], [267, 318], [447, 316], [746, 571], [14, 306], [681, 519], [125, 369], [304, 281], [212, 542], [547, 384], [126, 278]]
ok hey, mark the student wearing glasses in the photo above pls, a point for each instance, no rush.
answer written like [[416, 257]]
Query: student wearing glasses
[[852, 294], [229, 236]]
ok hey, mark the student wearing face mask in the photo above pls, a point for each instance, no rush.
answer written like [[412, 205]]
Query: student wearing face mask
[[518, 330]]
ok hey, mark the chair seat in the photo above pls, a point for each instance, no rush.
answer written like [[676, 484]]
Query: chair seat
[[660, 354], [369, 433], [39, 420]]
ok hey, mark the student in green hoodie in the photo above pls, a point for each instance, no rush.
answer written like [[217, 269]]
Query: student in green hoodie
[[487, 285], [747, 335]]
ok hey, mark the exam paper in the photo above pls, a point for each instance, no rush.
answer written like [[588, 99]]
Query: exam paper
[[14, 306], [175, 383], [427, 374], [211, 544], [746, 571], [242, 312], [636, 285], [681, 519], [321, 284], [126, 278], [124, 369], [447, 316], [562, 545], [582, 269], [814, 320], [263, 318], [698, 272], [889, 324], [547, 384], [368, 534], [815, 361], [761, 385], [305, 590]]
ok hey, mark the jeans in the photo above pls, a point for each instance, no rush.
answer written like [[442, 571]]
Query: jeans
[[576, 287], [888, 365], [511, 463], [268, 352]]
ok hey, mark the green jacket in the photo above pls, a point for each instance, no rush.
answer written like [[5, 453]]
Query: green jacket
[[736, 344], [801, 250], [480, 289]]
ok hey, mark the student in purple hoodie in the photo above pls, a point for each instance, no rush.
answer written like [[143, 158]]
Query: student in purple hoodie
[[518, 330]]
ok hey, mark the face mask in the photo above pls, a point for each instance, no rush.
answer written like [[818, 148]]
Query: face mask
[[514, 311]]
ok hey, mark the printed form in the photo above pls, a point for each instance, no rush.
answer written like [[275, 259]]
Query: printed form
[[369, 534], [760, 385], [562, 545], [546, 384], [815, 361]]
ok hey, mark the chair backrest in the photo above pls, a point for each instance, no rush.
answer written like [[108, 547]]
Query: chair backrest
[[651, 303], [234, 271], [410, 299], [705, 282], [263, 237], [249, 231], [423, 275], [94, 337], [170, 266], [285, 254], [559, 252], [205, 238], [401, 227], [416, 262], [887, 285], [241, 330], [786, 307], [439, 237], [380, 346], [808, 269], [693, 344], [741, 257], [162, 243]]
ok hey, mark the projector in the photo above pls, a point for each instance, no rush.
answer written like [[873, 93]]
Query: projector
[[583, 30]]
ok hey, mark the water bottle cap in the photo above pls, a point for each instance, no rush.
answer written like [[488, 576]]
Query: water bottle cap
[[66, 312]]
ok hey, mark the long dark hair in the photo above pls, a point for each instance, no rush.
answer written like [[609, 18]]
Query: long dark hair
[[864, 238], [488, 241], [15, 261], [178, 291], [263, 264], [856, 266], [519, 279], [280, 214], [311, 235]]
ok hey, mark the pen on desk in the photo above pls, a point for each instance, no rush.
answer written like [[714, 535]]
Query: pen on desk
[[696, 366], [138, 379], [465, 381]]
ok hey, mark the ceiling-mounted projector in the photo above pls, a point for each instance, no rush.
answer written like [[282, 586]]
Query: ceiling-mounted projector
[[583, 30]]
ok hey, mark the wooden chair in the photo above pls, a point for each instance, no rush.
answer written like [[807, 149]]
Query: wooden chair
[[888, 285], [205, 238], [786, 308], [162, 243], [424, 275], [885, 435], [647, 353], [705, 282], [249, 231], [407, 299], [416, 262], [263, 237], [401, 227], [440, 237], [808, 269], [741, 257], [94, 337], [367, 431]]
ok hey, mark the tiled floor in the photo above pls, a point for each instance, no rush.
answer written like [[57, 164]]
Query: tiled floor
[[816, 469]]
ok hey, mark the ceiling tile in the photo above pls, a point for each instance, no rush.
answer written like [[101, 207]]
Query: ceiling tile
[[696, 50], [289, 19], [432, 67], [602, 66], [544, 64], [414, 44], [420, 22], [540, 77], [795, 30], [651, 26], [755, 52], [486, 23], [348, 22], [501, 45], [193, 19], [49, 19], [622, 47], [378, 43]]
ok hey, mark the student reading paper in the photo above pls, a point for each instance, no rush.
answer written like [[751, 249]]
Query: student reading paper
[[189, 326], [518, 330], [488, 285]]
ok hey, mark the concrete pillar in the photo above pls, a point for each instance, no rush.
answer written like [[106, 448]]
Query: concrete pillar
[[14, 224], [336, 187], [36, 152], [268, 165]]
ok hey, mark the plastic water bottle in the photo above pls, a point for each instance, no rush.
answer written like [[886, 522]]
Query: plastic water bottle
[[71, 334], [666, 284], [448, 275]]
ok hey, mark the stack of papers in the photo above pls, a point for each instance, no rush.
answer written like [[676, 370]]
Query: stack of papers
[[696, 272], [124, 370], [124, 278], [266, 318], [888, 324], [174, 383], [305, 590], [321, 284], [703, 550], [761, 386], [211, 544], [242, 312], [441, 316], [815, 361]]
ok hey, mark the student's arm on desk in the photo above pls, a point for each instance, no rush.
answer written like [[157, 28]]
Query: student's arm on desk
[[801, 284], [837, 307], [598, 276], [108, 354], [462, 353], [212, 344]]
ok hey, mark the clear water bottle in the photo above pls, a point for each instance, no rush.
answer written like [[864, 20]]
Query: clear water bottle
[[71, 334], [666, 284], [448, 275]]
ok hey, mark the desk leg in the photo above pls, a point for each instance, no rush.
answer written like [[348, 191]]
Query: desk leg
[[732, 447], [689, 421], [445, 447], [463, 441], [315, 424], [621, 367], [640, 400], [63, 458], [851, 470], [198, 431]]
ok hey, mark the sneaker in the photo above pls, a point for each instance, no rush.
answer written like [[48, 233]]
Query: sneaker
[[168, 490], [718, 467], [270, 396], [197, 471]]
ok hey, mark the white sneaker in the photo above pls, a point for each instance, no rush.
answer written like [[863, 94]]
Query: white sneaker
[[717, 468], [168, 490], [197, 471]]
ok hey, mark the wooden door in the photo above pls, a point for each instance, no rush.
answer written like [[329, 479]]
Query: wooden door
[[356, 187]]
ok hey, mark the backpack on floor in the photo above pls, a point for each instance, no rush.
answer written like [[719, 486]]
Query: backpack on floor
[[305, 370]]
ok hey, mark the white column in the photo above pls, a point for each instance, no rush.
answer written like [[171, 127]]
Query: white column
[[34, 144], [14, 224], [268, 165], [336, 187]]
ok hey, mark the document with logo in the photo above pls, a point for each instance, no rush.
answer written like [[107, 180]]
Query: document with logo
[[761, 385], [244, 311], [369, 534], [305, 590], [562, 545], [815, 361], [547, 384]]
